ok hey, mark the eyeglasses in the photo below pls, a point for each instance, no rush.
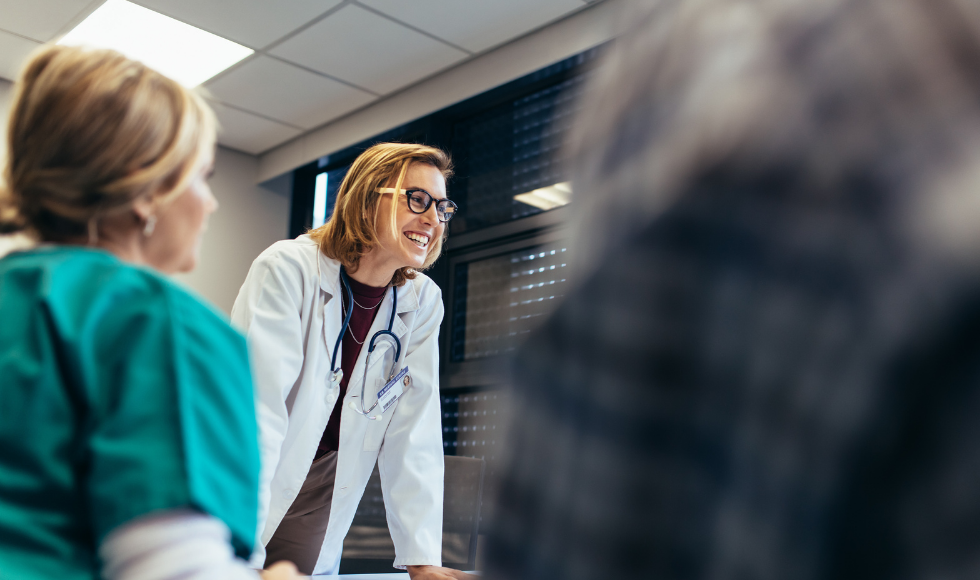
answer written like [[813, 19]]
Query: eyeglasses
[[419, 201]]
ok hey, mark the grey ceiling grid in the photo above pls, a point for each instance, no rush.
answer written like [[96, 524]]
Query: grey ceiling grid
[[274, 95]]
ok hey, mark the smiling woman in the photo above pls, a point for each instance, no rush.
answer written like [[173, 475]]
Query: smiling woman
[[355, 235], [307, 307]]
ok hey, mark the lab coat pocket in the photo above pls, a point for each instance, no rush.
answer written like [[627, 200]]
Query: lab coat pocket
[[375, 433]]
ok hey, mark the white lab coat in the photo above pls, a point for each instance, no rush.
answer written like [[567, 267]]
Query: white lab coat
[[290, 310]]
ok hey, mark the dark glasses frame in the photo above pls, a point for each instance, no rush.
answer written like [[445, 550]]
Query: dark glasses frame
[[441, 205]]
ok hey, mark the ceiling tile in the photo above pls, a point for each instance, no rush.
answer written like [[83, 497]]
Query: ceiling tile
[[368, 50], [254, 23], [475, 25], [250, 133], [13, 52], [287, 93], [40, 19]]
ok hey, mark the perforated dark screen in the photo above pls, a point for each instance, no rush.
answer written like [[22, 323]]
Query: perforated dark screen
[[511, 149], [498, 300], [474, 425]]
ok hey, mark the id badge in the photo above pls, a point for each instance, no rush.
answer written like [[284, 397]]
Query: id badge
[[394, 389]]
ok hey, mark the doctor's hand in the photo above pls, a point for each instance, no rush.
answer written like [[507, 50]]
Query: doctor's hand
[[282, 570], [437, 573]]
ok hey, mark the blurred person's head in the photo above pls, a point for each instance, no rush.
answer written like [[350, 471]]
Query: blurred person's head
[[825, 98], [104, 151], [758, 373], [375, 212]]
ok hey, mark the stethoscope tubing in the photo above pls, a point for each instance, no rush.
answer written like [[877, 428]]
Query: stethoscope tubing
[[335, 370], [340, 337]]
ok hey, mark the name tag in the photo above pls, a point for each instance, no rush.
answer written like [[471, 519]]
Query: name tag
[[394, 389]]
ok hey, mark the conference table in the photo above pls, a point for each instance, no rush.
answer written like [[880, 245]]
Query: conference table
[[391, 576]]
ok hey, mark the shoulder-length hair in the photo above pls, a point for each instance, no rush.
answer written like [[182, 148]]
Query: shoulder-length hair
[[353, 228]]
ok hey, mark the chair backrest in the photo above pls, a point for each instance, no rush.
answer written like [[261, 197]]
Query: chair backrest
[[462, 501], [368, 547]]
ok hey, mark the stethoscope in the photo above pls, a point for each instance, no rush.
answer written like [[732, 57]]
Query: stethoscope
[[338, 373]]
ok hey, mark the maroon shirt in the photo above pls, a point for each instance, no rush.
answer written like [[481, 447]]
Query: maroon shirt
[[360, 323]]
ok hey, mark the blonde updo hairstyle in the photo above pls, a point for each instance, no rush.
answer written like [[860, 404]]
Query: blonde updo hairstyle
[[353, 228], [91, 132]]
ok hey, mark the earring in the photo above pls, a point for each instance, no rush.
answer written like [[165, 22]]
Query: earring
[[151, 224]]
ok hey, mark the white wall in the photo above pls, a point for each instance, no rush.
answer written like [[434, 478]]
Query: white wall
[[250, 217], [6, 90]]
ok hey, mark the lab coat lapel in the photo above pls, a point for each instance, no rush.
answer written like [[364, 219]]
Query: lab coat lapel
[[408, 303], [329, 274]]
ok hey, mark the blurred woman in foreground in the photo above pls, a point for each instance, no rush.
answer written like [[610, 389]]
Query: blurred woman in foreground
[[128, 443], [770, 365]]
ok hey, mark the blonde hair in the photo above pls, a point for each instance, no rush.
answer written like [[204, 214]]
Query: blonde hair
[[91, 132], [351, 231]]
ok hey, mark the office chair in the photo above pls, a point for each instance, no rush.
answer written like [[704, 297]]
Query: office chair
[[368, 548]]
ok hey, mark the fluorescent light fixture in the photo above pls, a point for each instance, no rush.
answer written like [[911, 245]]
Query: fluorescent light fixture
[[184, 53], [549, 197], [320, 200]]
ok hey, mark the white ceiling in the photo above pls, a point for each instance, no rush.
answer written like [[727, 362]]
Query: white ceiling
[[315, 60]]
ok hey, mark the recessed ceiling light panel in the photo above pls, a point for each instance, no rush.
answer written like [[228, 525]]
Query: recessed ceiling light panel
[[549, 197], [184, 53]]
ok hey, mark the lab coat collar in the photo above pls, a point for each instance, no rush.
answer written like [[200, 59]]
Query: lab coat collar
[[408, 300], [329, 270]]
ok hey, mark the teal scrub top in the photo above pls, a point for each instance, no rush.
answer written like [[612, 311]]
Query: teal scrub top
[[121, 394]]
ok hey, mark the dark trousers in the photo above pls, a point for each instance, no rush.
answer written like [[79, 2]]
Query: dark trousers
[[299, 536]]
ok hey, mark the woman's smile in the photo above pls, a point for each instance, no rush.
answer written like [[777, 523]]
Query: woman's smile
[[420, 239]]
